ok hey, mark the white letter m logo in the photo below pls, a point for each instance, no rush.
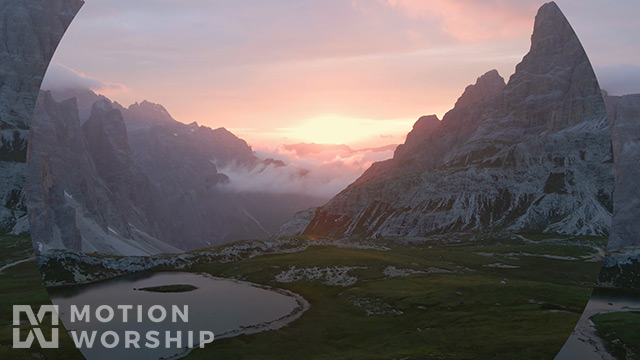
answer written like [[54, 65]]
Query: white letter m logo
[[35, 321]]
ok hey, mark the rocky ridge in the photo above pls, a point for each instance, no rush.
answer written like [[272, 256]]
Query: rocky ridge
[[532, 155]]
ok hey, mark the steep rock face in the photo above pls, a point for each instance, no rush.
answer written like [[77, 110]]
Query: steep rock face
[[82, 189], [134, 181], [31, 32], [183, 164], [533, 156], [181, 161], [86, 192], [624, 115], [146, 122], [621, 266], [107, 145]]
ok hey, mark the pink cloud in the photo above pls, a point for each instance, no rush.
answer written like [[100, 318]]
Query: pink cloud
[[471, 21]]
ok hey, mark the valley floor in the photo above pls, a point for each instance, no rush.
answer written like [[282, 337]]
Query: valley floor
[[487, 298]]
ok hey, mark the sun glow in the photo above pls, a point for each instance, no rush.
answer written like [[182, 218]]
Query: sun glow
[[337, 129]]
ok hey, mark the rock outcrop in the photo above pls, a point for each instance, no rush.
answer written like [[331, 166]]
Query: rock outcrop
[[532, 155], [31, 32]]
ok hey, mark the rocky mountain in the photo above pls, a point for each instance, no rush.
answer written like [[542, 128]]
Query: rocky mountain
[[134, 181], [621, 267], [624, 115], [83, 191], [530, 155], [31, 32]]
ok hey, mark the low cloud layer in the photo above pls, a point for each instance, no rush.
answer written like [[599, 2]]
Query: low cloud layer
[[321, 174]]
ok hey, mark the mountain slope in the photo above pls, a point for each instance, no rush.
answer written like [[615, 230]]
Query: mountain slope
[[532, 155], [83, 191], [31, 32], [134, 181]]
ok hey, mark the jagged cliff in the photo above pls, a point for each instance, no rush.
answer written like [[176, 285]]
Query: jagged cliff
[[621, 266], [134, 181], [31, 32], [531, 155], [83, 191], [624, 115]]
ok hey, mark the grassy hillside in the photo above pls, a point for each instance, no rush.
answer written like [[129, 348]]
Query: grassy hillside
[[453, 298], [488, 299], [621, 333]]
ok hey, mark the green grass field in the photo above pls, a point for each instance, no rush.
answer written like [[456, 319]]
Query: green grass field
[[526, 311], [515, 298], [621, 333]]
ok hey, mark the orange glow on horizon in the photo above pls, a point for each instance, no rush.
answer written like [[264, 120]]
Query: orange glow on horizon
[[331, 129]]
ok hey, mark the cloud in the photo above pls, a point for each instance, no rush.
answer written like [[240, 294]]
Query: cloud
[[275, 64], [239, 64], [469, 20], [60, 77], [321, 174]]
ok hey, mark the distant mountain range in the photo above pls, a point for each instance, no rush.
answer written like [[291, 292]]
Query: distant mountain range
[[133, 181], [531, 155]]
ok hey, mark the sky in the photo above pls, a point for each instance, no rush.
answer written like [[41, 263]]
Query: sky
[[358, 72]]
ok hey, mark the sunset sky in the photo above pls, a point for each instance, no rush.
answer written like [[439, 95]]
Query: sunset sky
[[358, 72]]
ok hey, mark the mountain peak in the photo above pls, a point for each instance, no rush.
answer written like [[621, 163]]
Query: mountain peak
[[487, 85], [102, 104], [553, 43], [147, 113], [422, 128], [555, 77], [495, 164], [149, 106], [426, 123]]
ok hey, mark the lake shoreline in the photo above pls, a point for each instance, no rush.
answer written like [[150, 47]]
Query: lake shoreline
[[299, 305], [586, 332], [302, 306]]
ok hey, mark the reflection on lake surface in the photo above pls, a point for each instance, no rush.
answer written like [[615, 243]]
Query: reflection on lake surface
[[225, 307], [583, 343]]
